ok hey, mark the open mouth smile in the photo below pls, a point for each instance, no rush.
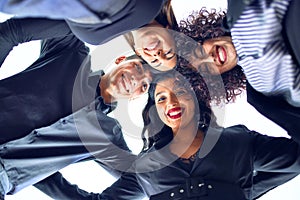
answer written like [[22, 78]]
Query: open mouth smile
[[175, 113], [221, 54]]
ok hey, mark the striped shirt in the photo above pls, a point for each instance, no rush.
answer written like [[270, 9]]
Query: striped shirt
[[262, 52]]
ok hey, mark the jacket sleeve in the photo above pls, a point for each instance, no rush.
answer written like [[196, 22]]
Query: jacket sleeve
[[15, 31], [57, 187], [126, 187], [275, 154], [277, 110]]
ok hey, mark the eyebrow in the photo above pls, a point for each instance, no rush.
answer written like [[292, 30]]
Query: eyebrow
[[156, 66], [159, 93]]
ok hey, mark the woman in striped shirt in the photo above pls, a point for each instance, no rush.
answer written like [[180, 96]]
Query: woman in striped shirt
[[256, 43]]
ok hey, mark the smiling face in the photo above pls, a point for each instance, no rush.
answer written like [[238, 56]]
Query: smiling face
[[129, 80], [175, 104], [156, 46], [216, 55]]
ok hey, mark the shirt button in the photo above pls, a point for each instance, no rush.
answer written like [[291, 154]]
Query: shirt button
[[181, 190], [200, 184], [209, 187], [172, 194]]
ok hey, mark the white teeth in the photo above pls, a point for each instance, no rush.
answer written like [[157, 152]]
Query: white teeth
[[221, 56], [174, 113]]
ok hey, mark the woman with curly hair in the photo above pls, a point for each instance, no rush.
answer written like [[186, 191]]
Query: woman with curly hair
[[213, 53], [162, 45], [187, 155], [262, 50]]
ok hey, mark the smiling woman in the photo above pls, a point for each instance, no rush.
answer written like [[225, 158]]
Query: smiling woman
[[156, 46]]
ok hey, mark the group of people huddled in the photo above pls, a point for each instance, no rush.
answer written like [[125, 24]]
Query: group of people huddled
[[55, 112]]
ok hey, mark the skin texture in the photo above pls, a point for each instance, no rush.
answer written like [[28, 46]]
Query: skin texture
[[176, 108], [127, 81], [175, 105], [156, 46], [217, 55]]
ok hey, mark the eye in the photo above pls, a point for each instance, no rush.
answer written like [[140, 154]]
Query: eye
[[167, 54], [145, 86], [160, 99]]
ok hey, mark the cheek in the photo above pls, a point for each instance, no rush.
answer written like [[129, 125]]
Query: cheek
[[189, 104], [232, 54], [161, 112], [207, 45]]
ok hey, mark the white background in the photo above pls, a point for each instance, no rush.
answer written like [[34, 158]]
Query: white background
[[88, 175]]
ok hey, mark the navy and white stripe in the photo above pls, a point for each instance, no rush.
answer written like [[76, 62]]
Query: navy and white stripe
[[262, 52]]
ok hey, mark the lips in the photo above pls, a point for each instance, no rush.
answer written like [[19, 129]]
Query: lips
[[175, 113], [221, 54]]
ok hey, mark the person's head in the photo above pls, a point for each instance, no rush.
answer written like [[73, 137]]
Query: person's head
[[214, 51], [176, 101], [129, 79], [154, 42]]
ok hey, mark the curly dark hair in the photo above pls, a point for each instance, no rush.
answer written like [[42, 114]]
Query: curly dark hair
[[191, 80], [204, 25], [201, 26]]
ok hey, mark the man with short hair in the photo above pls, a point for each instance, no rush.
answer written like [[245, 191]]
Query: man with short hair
[[59, 93]]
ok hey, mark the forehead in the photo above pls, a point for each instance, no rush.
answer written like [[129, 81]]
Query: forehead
[[173, 84], [167, 84], [130, 63]]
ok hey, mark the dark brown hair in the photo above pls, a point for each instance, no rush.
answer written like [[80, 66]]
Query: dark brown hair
[[154, 129], [204, 25]]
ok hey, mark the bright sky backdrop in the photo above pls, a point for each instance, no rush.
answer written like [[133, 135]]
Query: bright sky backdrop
[[88, 175]]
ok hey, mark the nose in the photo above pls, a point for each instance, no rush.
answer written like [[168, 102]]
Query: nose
[[139, 88], [155, 52], [133, 81], [173, 100], [205, 53], [207, 59]]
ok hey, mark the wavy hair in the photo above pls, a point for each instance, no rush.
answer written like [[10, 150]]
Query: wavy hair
[[154, 129], [202, 26]]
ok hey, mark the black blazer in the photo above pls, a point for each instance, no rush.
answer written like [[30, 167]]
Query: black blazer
[[43, 92]]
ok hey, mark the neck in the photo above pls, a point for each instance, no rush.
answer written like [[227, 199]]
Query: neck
[[187, 141]]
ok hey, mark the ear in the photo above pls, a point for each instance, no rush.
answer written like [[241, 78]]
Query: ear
[[120, 59]]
